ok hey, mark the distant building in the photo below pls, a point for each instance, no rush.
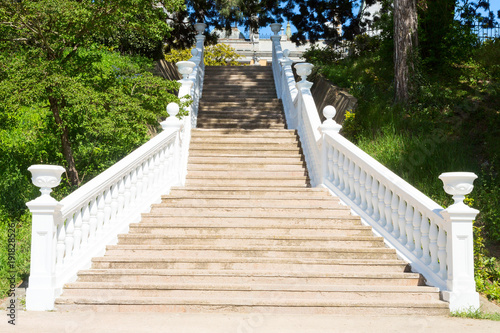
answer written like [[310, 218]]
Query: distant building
[[260, 46]]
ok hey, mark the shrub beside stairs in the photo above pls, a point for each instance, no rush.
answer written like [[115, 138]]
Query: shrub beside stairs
[[247, 233]]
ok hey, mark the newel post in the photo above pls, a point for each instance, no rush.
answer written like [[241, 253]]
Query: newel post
[[303, 69], [329, 127], [45, 211], [461, 293]]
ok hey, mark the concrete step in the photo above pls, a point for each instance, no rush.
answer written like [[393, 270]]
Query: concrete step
[[244, 167], [255, 104], [241, 115], [253, 240], [275, 251], [259, 174], [250, 277], [252, 263], [249, 221], [246, 160], [242, 125], [226, 139], [258, 292], [217, 145], [277, 154], [243, 133], [209, 229], [251, 192], [247, 182], [172, 201]]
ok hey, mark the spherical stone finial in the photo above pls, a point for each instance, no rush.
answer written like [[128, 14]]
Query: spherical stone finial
[[286, 53], [275, 27], [458, 184], [172, 109], [195, 52], [329, 112]]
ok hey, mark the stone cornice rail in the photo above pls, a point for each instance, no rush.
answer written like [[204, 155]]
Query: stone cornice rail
[[66, 235], [436, 242]]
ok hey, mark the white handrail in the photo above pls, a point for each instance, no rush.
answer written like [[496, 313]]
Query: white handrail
[[66, 235], [436, 242]]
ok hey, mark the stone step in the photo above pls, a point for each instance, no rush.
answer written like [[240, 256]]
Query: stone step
[[252, 263], [252, 192], [246, 160], [243, 133], [250, 277], [226, 139], [239, 115], [242, 125], [247, 182], [257, 105], [244, 167], [259, 82], [238, 99], [249, 221], [209, 229], [257, 292], [283, 211], [172, 201], [207, 251], [313, 306], [253, 240], [262, 175], [216, 146], [245, 155]]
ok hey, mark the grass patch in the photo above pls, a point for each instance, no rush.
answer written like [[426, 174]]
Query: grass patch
[[475, 314]]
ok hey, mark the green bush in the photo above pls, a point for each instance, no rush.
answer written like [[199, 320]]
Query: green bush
[[215, 55]]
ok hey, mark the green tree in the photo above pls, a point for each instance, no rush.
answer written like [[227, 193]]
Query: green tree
[[51, 34]]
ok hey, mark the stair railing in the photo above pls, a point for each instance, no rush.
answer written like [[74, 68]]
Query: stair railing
[[436, 242], [66, 235]]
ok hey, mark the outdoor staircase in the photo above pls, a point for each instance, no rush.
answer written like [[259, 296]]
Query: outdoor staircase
[[247, 233]]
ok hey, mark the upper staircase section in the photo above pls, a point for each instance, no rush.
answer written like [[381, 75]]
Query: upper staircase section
[[241, 97]]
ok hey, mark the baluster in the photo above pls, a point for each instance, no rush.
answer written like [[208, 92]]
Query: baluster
[[107, 208], [345, 170], [368, 191], [402, 221], [142, 181], [161, 168], [121, 196], [329, 164], [357, 196], [133, 188], [151, 175], [156, 169], [61, 247], [417, 219], [424, 231], [388, 210], [441, 243], [77, 234], [362, 190], [375, 213], [433, 247], [409, 227], [341, 171], [93, 219], [127, 193], [395, 215], [114, 203], [381, 205], [69, 239], [352, 193], [85, 225], [335, 159]]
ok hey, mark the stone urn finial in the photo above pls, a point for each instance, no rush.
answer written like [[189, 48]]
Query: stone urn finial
[[458, 184], [200, 27], [275, 27], [46, 177], [304, 69], [185, 68]]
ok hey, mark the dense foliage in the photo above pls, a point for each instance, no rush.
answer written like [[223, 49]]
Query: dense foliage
[[215, 55], [68, 99], [451, 123]]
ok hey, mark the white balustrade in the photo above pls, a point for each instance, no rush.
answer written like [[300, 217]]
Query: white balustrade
[[66, 235], [436, 242]]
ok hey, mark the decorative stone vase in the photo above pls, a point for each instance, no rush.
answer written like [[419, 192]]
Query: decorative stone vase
[[200, 27], [46, 177], [458, 184], [304, 69], [185, 68], [275, 27]]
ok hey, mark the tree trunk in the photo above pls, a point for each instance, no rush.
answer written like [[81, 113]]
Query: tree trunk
[[55, 106], [405, 42]]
